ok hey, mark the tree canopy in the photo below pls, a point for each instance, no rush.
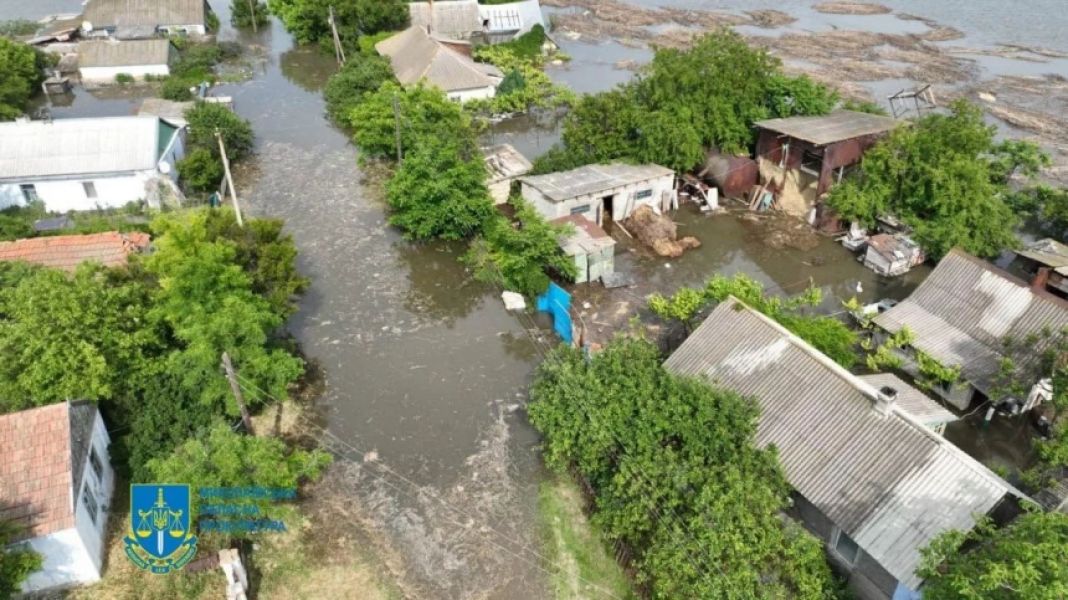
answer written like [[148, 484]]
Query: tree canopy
[[1026, 559], [425, 113], [308, 21], [946, 178], [675, 475], [346, 89], [244, 12], [21, 73]]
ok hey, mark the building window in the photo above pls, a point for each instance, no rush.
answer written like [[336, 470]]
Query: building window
[[29, 192], [811, 162], [97, 466], [643, 194], [90, 503], [90, 189], [578, 210], [845, 547]]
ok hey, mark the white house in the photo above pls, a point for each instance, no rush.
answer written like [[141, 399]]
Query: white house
[[56, 483], [594, 191], [417, 56], [100, 61], [133, 19], [84, 164], [467, 19]]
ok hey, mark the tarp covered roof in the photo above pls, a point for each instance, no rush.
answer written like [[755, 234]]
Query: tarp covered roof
[[883, 477], [827, 129]]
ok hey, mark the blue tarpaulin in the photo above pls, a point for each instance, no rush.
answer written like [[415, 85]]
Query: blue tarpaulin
[[557, 303]]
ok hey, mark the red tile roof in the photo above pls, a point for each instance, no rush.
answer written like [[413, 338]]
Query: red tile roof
[[68, 251], [35, 473]]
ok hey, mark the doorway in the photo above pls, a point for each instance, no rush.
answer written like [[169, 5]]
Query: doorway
[[606, 210]]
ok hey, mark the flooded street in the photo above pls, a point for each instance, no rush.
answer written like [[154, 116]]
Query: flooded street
[[424, 369]]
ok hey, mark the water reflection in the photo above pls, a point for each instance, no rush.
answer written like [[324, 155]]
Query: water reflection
[[440, 287], [306, 67]]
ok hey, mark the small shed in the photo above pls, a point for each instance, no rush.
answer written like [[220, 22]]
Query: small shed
[[597, 191], [1045, 263], [592, 249], [892, 255], [805, 156], [918, 405], [100, 61], [505, 164]]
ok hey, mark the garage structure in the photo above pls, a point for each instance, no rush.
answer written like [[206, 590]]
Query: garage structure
[[600, 192]]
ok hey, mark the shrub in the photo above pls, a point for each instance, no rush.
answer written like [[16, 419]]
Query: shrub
[[124, 78], [347, 88], [206, 118], [200, 170]]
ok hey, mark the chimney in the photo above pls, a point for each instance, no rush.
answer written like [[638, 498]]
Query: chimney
[[1038, 284], [885, 400]]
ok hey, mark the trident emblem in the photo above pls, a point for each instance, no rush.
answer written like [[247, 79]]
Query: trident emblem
[[160, 519]]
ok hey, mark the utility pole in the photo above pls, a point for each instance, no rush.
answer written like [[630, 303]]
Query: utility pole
[[252, 9], [397, 127], [229, 179], [236, 389], [339, 52]]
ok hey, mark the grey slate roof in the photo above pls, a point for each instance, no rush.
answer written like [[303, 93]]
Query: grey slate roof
[[592, 179], [168, 110], [965, 309], [885, 479], [129, 53], [416, 56], [82, 416], [828, 129], [42, 149], [451, 18], [925, 409], [148, 13]]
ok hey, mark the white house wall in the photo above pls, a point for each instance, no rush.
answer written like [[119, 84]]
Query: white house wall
[[66, 561], [624, 201], [107, 74], [69, 194], [93, 534], [462, 96]]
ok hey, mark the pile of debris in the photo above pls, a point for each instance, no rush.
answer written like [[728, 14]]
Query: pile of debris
[[658, 232]]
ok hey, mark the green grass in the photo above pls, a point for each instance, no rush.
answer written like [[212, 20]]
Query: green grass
[[585, 568]]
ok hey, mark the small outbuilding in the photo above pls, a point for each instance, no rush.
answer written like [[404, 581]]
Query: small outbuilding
[[1045, 262], [802, 157], [892, 255], [597, 192], [101, 61], [56, 485], [417, 56], [505, 164], [592, 249]]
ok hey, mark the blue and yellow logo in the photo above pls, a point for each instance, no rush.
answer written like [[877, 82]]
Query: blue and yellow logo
[[161, 538]]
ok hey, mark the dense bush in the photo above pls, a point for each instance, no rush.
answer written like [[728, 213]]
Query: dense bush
[[205, 118], [21, 74], [307, 19], [347, 88], [425, 114], [200, 170]]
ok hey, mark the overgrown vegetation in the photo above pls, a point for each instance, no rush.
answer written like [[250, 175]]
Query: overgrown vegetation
[[676, 476], [827, 334], [201, 169], [21, 73], [195, 65], [686, 101], [307, 20], [1045, 206], [945, 177], [246, 13], [362, 74], [525, 85], [1026, 559], [16, 562], [145, 342]]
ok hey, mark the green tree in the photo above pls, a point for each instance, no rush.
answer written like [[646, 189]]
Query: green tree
[[1046, 206], [439, 191], [940, 176], [347, 88], [83, 336], [798, 96], [1026, 559], [676, 475], [242, 13], [307, 20], [425, 114], [519, 256], [200, 170], [223, 458], [20, 76], [205, 118], [16, 562]]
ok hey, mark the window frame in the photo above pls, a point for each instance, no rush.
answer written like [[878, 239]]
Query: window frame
[[580, 210], [643, 194], [91, 505], [32, 196], [836, 539], [95, 464], [87, 187]]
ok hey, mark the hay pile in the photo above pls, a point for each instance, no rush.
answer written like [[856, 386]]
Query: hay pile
[[658, 232]]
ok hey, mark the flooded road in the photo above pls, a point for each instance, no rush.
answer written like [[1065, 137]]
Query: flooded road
[[422, 365]]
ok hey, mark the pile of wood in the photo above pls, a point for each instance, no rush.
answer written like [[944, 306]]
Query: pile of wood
[[658, 232]]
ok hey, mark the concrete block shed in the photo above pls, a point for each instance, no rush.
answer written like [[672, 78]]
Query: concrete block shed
[[592, 249], [99, 61], [505, 164], [597, 192]]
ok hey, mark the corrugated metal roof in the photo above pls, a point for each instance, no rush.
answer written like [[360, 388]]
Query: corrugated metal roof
[[35, 149], [885, 479], [125, 13], [452, 18], [828, 129], [591, 179], [130, 53], [925, 409], [110, 249], [415, 57], [965, 309]]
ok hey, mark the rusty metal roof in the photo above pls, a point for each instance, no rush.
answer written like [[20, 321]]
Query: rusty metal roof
[[882, 477], [592, 179], [827, 129], [965, 310]]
